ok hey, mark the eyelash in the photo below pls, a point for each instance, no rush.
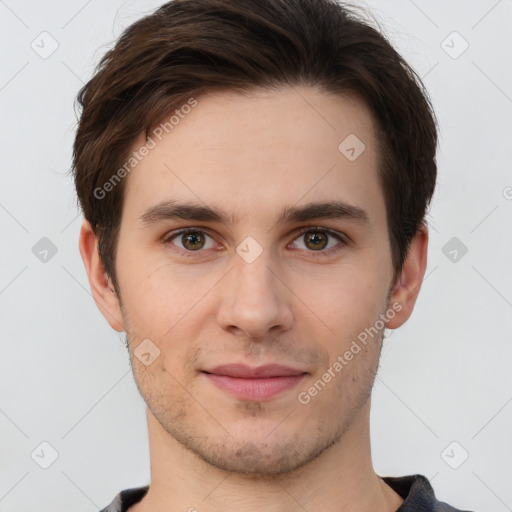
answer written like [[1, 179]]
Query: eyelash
[[321, 253]]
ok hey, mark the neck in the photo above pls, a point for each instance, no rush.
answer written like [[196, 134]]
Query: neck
[[340, 478]]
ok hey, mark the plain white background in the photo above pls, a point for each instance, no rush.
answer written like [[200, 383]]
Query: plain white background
[[444, 390]]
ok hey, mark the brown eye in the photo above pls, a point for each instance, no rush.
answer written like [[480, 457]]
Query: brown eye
[[193, 241], [321, 241], [315, 240]]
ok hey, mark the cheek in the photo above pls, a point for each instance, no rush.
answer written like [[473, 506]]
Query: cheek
[[345, 299], [157, 297], [170, 313], [168, 366]]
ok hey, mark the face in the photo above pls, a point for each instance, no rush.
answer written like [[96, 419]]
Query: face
[[271, 249]]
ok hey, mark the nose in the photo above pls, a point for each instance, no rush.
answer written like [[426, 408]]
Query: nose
[[254, 301]]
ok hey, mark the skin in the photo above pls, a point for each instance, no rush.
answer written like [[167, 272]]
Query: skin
[[297, 305]]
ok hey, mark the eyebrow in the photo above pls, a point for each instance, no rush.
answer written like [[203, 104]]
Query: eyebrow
[[172, 209]]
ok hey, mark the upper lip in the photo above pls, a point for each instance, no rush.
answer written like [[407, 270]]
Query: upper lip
[[246, 372]]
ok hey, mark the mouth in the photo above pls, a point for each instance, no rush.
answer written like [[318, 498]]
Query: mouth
[[257, 384]]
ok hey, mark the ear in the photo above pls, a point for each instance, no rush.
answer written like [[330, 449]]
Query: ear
[[408, 286], [101, 286]]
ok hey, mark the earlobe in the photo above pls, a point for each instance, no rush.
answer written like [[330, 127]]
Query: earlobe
[[101, 286], [408, 286]]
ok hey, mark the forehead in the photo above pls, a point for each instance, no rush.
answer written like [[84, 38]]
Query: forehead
[[253, 153]]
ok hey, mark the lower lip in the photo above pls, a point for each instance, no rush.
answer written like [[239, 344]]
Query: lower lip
[[255, 389]]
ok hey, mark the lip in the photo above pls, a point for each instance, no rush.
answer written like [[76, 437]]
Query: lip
[[246, 372], [260, 383]]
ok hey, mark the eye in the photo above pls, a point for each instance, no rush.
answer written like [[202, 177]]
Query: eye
[[191, 240], [318, 240]]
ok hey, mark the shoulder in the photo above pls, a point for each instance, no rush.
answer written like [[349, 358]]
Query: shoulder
[[418, 494], [126, 499]]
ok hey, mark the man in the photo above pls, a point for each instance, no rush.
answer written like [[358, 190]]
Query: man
[[254, 177]]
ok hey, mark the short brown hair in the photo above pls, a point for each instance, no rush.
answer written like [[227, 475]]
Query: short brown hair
[[190, 46]]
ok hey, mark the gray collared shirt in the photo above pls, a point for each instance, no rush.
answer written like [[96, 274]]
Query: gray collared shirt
[[416, 491]]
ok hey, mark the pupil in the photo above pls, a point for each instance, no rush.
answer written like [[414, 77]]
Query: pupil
[[192, 241], [316, 240]]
